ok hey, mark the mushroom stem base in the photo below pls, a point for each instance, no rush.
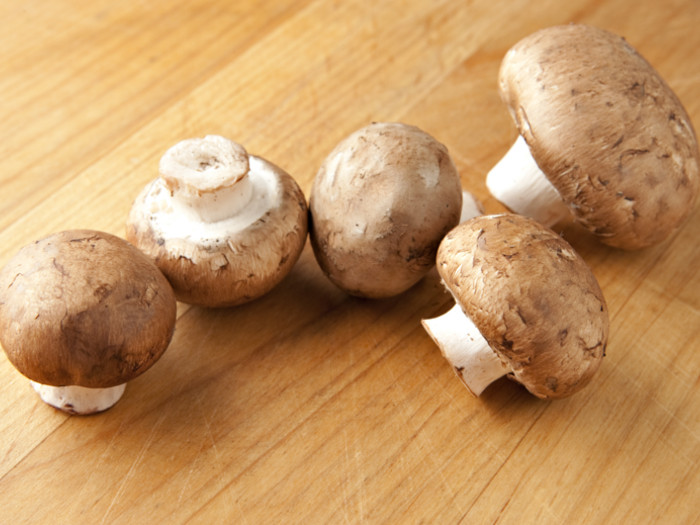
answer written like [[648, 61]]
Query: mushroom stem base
[[79, 399], [517, 182], [208, 176], [219, 204], [460, 342]]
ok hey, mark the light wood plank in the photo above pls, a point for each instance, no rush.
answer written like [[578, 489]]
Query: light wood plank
[[308, 406]]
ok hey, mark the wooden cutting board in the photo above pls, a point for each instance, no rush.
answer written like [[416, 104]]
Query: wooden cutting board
[[307, 405]]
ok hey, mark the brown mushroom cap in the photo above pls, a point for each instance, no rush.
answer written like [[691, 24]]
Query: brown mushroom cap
[[380, 204], [531, 296], [233, 268], [606, 130], [84, 308]]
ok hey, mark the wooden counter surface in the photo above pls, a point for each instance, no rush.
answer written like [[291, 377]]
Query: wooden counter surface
[[307, 405]]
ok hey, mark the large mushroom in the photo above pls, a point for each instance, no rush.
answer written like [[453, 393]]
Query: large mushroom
[[602, 138], [380, 204], [526, 306], [81, 313], [224, 226]]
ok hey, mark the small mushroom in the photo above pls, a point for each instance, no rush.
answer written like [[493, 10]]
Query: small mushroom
[[380, 204], [81, 313], [602, 137], [527, 306], [224, 226]]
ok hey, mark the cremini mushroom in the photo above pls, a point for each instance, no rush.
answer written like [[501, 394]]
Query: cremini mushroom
[[380, 204], [81, 313], [224, 226], [602, 138], [527, 306]]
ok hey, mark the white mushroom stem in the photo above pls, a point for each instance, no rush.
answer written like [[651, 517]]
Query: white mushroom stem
[[460, 342], [209, 176], [470, 207], [517, 181], [79, 399]]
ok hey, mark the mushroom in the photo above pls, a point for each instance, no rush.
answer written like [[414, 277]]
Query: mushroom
[[224, 226], [81, 313], [380, 204], [526, 306], [602, 138]]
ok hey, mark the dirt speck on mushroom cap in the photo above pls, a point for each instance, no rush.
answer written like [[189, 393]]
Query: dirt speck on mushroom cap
[[531, 296], [84, 308], [606, 129]]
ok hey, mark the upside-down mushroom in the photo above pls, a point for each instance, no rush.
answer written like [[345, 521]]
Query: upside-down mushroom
[[224, 226]]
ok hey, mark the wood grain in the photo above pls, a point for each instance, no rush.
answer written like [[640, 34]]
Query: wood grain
[[309, 406]]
